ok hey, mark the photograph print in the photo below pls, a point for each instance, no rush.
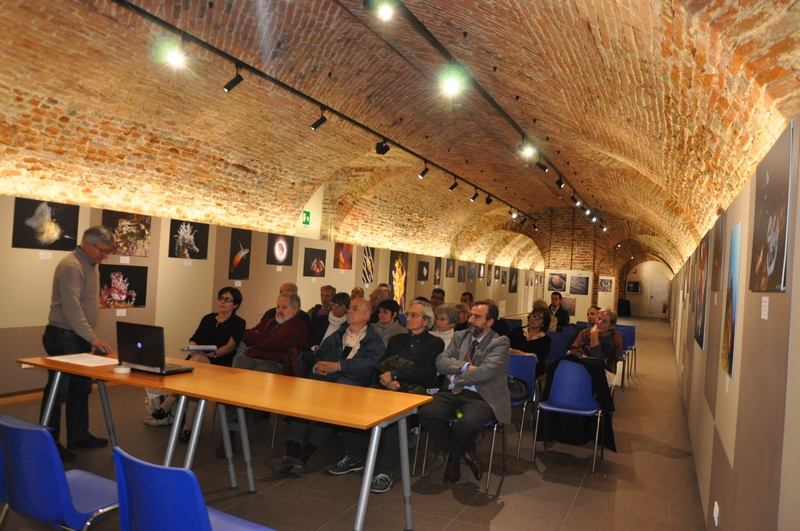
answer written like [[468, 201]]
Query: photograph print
[[699, 300], [717, 246], [343, 256], [731, 301], [437, 271], [239, 254], [398, 277], [450, 268], [132, 232], [489, 275], [504, 277], [314, 262], [497, 272], [123, 286], [513, 280], [45, 225], [280, 250], [188, 240], [368, 265], [462, 274], [481, 270], [422, 271], [472, 271], [556, 282], [632, 286], [578, 285], [605, 285], [770, 229]]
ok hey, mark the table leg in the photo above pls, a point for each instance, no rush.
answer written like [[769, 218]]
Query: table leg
[[366, 483], [48, 408], [176, 429], [198, 425], [405, 473], [101, 387], [251, 482], [226, 442]]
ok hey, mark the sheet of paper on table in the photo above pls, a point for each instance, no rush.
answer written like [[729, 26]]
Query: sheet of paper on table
[[87, 360]]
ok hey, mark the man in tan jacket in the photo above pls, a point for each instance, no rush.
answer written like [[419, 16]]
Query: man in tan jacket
[[475, 385]]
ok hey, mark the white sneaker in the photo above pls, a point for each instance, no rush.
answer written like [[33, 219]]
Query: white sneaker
[[413, 437]]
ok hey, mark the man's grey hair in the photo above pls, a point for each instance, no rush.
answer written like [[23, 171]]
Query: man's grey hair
[[328, 288], [294, 299], [450, 311], [99, 234], [427, 312]]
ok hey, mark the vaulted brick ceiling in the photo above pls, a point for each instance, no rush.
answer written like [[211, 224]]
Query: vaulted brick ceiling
[[655, 111]]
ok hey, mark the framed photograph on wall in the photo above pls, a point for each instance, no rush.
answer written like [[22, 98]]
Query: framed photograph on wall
[[280, 250], [503, 277], [513, 280], [422, 271], [700, 306], [729, 318], [569, 304], [368, 265], [314, 262], [717, 248], [122, 286], [45, 225], [398, 278], [188, 240], [578, 285], [556, 282], [343, 256], [437, 271], [605, 285], [132, 232], [633, 286], [239, 254], [462, 274], [450, 268], [481, 270], [489, 275], [472, 271], [497, 272], [770, 228]]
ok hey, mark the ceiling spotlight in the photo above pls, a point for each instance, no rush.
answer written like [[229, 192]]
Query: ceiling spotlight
[[588, 211], [544, 168], [454, 186], [535, 228], [594, 219], [619, 245], [318, 123], [176, 58], [603, 227], [631, 258], [474, 197], [560, 182], [233, 82], [489, 200], [527, 148], [382, 148], [424, 171], [514, 215], [385, 12], [576, 201], [453, 79]]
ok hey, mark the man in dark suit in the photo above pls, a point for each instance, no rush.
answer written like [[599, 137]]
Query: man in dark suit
[[560, 315], [474, 365]]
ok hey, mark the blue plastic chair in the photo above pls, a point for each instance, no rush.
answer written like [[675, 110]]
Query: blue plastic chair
[[37, 486], [558, 345], [512, 323], [156, 498], [523, 368], [2, 490], [571, 393]]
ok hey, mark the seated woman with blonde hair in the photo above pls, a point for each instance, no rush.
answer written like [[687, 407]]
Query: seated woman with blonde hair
[[601, 342]]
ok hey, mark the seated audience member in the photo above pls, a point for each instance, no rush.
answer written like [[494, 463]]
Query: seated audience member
[[591, 315], [463, 315], [409, 366], [446, 320], [288, 287], [322, 326], [348, 357], [540, 303], [475, 384], [560, 315], [326, 293], [467, 298], [601, 342], [375, 299], [223, 329], [386, 288], [532, 339], [274, 345], [437, 297], [500, 326], [357, 293], [387, 325]]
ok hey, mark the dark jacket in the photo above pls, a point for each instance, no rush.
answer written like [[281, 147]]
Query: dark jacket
[[280, 343], [421, 349], [361, 367], [561, 316]]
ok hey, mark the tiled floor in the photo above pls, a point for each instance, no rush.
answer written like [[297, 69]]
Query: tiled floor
[[649, 484]]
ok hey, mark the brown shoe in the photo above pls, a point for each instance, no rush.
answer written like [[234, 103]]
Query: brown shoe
[[452, 474], [474, 463]]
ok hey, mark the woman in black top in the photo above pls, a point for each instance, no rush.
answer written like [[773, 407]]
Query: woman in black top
[[532, 339]]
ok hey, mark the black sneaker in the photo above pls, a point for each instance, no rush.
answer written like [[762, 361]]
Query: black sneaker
[[382, 483], [64, 454], [346, 465], [90, 442]]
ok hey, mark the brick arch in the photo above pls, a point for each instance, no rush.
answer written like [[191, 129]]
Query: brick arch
[[628, 231]]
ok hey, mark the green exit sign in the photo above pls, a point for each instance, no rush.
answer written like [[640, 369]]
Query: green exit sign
[[306, 218]]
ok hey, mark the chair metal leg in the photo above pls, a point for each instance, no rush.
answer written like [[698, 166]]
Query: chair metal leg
[[3, 515], [596, 438], [97, 514], [521, 428], [425, 453], [491, 458], [535, 434], [213, 420], [416, 451], [274, 431]]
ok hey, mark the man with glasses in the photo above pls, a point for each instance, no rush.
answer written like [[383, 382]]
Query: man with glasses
[[463, 316], [375, 300], [326, 294], [437, 298], [409, 366], [73, 314]]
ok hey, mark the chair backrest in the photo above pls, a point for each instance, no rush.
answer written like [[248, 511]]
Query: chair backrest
[[156, 498], [558, 344], [624, 333], [2, 481], [36, 486], [631, 333], [512, 323], [402, 318], [572, 387], [523, 368]]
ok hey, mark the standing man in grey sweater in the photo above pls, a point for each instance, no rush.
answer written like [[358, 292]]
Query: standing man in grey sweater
[[73, 314]]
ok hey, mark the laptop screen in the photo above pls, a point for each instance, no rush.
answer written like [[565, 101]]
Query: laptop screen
[[140, 344]]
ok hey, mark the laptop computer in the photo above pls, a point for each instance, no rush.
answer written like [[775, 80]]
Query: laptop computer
[[141, 347]]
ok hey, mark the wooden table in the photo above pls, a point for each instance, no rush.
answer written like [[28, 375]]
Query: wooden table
[[343, 405]]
